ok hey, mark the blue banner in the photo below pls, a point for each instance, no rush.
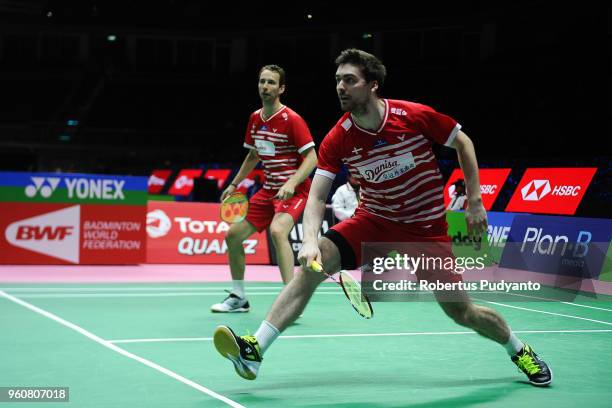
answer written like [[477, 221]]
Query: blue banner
[[558, 245]]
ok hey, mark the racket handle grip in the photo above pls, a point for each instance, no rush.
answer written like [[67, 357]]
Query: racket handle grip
[[315, 266]]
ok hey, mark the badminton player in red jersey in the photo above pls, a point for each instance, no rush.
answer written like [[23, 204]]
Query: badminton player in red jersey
[[279, 138], [387, 145]]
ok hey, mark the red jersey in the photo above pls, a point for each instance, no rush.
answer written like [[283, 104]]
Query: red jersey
[[279, 142], [399, 174]]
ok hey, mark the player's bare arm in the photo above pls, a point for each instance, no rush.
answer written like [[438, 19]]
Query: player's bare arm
[[308, 164], [248, 164], [475, 214], [313, 219]]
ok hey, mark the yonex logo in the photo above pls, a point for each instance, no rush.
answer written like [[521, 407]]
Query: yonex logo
[[43, 185], [535, 190]]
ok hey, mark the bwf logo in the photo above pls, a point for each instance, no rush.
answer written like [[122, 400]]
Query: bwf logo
[[55, 234], [535, 190], [45, 186]]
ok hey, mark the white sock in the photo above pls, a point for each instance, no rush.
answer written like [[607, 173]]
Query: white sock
[[514, 345], [265, 335], [238, 288]]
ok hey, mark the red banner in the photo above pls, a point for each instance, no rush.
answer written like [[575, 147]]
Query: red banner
[[187, 233], [220, 175], [491, 183], [71, 234], [184, 182], [158, 180], [551, 190]]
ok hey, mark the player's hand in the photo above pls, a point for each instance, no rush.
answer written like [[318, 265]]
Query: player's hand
[[309, 252], [229, 190], [476, 219], [286, 191]]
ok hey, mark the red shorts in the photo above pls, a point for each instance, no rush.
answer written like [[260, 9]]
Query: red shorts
[[365, 227], [263, 206]]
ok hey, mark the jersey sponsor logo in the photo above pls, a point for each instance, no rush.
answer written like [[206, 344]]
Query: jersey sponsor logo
[[285, 116], [387, 169], [399, 111], [380, 143], [265, 147], [55, 234], [158, 223]]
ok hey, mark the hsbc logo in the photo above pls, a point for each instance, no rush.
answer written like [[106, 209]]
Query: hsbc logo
[[55, 234], [488, 188], [535, 190], [158, 223], [45, 186], [551, 190]]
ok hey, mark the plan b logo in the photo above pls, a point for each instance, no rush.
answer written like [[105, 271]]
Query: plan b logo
[[45, 186]]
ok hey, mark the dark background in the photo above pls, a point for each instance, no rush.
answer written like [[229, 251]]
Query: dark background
[[530, 81]]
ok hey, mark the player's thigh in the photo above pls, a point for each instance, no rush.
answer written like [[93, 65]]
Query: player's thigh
[[281, 225], [239, 232]]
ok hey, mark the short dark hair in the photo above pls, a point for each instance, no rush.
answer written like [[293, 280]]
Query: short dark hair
[[459, 183], [371, 67], [275, 68]]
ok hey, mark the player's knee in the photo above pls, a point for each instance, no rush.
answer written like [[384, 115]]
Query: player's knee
[[233, 237], [278, 232]]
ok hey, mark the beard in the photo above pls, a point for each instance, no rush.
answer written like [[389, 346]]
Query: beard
[[353, 106]]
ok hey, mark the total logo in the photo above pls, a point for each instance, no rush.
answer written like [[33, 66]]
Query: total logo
[[158, 224], [80, 188], [55, 234], [535, 190]]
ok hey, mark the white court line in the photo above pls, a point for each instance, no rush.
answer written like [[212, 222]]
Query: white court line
[[554, 300], [137, 289], [550, 313], [313, 336], [160, 294], [121, 351]]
